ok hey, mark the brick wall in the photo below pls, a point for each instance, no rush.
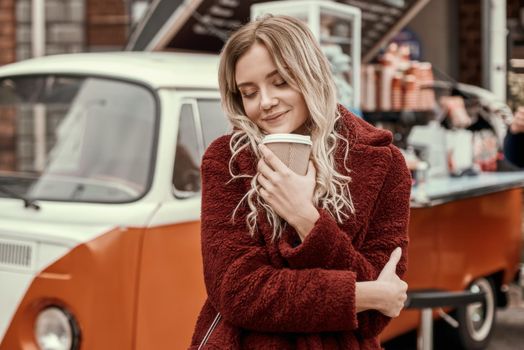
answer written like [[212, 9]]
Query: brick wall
[[7, 31], [107, 24], [513, 7], [470, 37], [74, 26], [516, 29], [7, 55], [7, 138], [64, 27], [470, 41]]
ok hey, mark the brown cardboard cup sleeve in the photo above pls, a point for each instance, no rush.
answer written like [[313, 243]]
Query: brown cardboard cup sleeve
[[292, 149]]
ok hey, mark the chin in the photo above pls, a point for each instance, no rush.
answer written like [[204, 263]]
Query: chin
[[279, 130]]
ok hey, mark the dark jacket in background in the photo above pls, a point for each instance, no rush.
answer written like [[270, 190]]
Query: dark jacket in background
[[514, 148]]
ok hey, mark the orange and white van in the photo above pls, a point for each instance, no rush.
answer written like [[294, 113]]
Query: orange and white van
[[99, 208], [99, 199]]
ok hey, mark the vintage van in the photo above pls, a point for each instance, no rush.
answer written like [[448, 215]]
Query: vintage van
[[99, 208], [99, 199]]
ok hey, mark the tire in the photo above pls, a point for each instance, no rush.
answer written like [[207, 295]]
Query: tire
[[476, 321]]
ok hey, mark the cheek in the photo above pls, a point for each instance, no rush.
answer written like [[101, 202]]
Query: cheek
[[300, 104], [251, 109], [296, 99]]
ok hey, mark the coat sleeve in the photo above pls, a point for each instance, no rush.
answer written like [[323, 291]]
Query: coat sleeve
[[327, 246], [246, 288], [513, 145]]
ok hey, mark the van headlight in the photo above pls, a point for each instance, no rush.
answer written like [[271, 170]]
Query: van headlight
[[56, 329]]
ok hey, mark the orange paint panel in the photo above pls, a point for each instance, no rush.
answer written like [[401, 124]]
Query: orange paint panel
[[454, 243], [423, 252], [96, 281], [143, 288], [477, 237], [172, 289]]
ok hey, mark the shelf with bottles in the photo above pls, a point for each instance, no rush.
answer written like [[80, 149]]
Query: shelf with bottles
[[397, 82]]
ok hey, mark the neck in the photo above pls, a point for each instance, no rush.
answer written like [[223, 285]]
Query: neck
[[302, 130]]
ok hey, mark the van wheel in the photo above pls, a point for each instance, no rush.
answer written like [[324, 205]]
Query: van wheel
[[476, 321]]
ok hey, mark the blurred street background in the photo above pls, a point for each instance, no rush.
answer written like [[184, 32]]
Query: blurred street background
[[106, 108]]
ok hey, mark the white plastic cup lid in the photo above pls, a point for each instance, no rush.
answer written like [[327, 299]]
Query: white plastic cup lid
[[292, 138]]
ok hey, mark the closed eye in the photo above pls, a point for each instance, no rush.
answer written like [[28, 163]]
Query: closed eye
[[278, 80], [248, 95]]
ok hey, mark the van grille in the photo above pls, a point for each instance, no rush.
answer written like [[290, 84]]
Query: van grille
[[17, 254]]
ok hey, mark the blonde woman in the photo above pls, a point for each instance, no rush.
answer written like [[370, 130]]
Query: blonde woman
[[290, 261]]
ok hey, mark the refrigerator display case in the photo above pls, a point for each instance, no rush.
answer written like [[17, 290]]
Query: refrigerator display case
[[337, 27]]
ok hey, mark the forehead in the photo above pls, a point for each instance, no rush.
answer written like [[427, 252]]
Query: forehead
[[254, 64]]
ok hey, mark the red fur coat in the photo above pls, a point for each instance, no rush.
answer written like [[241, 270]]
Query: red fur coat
[[282, 296]]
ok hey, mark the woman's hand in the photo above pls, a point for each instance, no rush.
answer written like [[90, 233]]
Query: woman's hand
[[517, 125], [393, 287], [289, 194]]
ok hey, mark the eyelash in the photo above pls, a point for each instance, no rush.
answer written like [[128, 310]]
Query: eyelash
[[279, 83]]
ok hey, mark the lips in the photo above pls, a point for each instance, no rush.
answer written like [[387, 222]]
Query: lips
[[274, 116]]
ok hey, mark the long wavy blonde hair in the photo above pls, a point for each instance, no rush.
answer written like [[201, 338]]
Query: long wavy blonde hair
[[301, 63]]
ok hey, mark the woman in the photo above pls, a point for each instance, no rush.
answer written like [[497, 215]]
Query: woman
[[290, 261]]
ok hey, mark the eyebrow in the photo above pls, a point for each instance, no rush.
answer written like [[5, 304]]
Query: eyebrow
[[269, 75]]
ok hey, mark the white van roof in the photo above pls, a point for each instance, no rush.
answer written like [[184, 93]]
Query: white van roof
[[157, 69]]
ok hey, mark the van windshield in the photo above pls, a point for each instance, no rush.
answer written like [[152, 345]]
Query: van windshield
[[76, 139]]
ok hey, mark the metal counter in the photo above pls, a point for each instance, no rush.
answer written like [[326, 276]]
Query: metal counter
[[438, 191]]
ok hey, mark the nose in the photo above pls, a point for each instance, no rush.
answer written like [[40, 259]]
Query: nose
[[267, 100]]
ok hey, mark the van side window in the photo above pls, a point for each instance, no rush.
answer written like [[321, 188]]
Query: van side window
[[186, 174], [213, 120]]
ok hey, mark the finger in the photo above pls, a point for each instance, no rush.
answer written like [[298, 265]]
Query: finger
[[405, 286], [518, 116], [265, 170], [519, 122], [514, 127], [517, 126], [264, 194], [264, 182], [272, 160], [403, 298]]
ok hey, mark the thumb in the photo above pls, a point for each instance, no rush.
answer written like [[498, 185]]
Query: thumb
[[311, 170], [391, 265]]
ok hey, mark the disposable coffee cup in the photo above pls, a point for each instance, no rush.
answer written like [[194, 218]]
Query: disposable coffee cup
[[292, 149]]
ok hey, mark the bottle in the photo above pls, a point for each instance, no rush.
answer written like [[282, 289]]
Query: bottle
[[409, 102], [404, 57], [363, 89], [368, 87], [396, 92], [415, 71], [428, 94], [421, 195], [386, 78]]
